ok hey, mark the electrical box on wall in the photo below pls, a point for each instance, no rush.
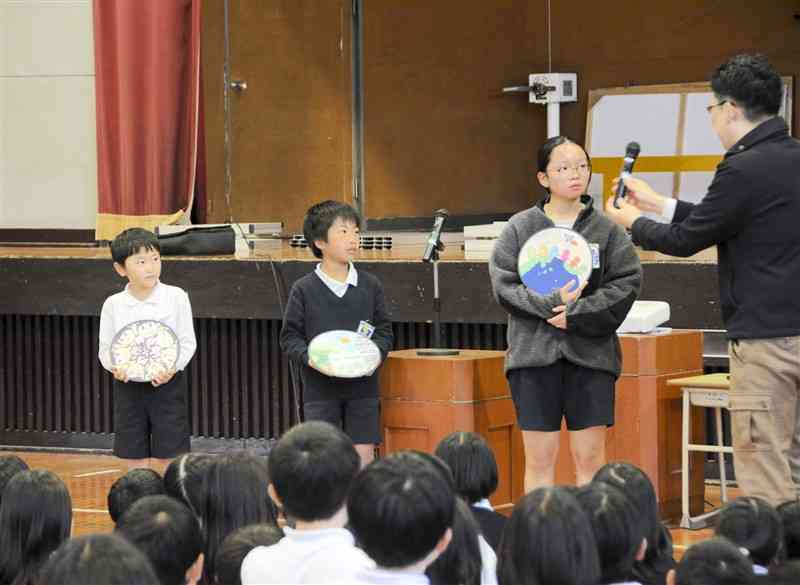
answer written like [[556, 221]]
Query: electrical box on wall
[[549, 88]]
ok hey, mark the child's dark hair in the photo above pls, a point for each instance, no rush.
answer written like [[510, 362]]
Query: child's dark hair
[[167, 532], [135, 484], [613, 519], [753, 524], [716, 561], [312, 467], [35, 519], [234, 494], [472, 464], [236, 546], [546, 151], [10, 465], [548, 539], [400, 507], [183, 478], [461, 562], [637, 486], [750, 82], [320, 217], [98, 558], [789, 513], [131, 241]]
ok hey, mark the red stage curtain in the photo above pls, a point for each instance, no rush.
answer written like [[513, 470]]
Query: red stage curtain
[[147, 87]]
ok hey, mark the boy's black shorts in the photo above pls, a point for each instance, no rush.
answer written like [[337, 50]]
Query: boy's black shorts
[[543, 396], [360, 418], [151, 422]]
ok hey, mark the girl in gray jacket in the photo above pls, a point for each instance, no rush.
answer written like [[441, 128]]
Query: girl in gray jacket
[[563, 353]]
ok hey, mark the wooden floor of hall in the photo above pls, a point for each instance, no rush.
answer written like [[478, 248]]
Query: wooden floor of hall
[[89, 477]]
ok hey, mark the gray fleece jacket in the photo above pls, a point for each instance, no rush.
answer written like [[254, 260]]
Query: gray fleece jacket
[[590, 338]]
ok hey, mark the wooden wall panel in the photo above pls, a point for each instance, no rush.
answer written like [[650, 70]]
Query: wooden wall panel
[[291, 127], [437, 130]]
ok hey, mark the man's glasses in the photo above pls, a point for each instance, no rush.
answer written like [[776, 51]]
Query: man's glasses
[[712, 106], [582, 169]]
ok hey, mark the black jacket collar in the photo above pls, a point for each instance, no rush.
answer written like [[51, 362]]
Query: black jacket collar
[[768, 130]]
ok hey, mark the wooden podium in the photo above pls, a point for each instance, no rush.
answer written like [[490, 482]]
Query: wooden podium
[[423, 399]]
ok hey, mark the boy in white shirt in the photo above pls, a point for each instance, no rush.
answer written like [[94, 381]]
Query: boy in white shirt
[[151, 423], [401, 511], [311, 469]]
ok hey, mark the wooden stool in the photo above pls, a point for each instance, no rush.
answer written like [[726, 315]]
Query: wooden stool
[[709, 391]]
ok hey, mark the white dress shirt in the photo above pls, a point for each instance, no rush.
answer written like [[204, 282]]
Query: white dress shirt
[[168, 304], [328, 555], [337, 287]]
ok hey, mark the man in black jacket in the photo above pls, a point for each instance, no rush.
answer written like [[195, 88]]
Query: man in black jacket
[[752, 213]]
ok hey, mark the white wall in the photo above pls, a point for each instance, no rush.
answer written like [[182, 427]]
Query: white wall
[[48, 154]]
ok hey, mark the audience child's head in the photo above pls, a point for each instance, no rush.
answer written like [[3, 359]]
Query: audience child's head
[[619, 539], [98, 558], [326, 216], [10, 465], [183, 478], [635, 484], [472, 464], [169, 535], [236, 546], [234, 494], [752, 524], [35, 518], [137, 257], [712, 562], [789, 513], [135, 484], [311, 469], [401, 510], [548, 539], [461, 561]]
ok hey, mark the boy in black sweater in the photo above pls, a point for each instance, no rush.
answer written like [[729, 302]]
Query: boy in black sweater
[[336, 296]]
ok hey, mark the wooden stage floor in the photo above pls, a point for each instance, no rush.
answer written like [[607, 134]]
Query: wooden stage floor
[[89, 477]]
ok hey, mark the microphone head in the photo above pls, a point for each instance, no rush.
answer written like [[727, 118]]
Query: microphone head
[[442, 212], [632, 150]]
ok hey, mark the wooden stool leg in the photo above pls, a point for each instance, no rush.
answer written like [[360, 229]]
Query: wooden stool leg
[[686, 420], [723, 483]]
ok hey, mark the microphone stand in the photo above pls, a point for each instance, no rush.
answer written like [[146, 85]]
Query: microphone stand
[[437, 350]]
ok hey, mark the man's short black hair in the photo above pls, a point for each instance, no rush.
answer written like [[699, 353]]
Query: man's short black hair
[[716, 561], [97, 558], [472, 463], [311, 468], [320, 217], [167, 532], [753, 524], [750, 82], [10, 465], [135, 484], [613, 519], [400, 507], [131, 241], [237, 545]]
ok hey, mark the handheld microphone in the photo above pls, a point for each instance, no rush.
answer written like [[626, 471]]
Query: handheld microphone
[[434, 245], [631, 153]]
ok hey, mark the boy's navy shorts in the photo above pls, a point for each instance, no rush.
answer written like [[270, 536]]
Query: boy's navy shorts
[[545, 395], [149, 421], [359, 418]]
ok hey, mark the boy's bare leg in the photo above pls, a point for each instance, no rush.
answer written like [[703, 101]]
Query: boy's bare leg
[[366, 452]]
